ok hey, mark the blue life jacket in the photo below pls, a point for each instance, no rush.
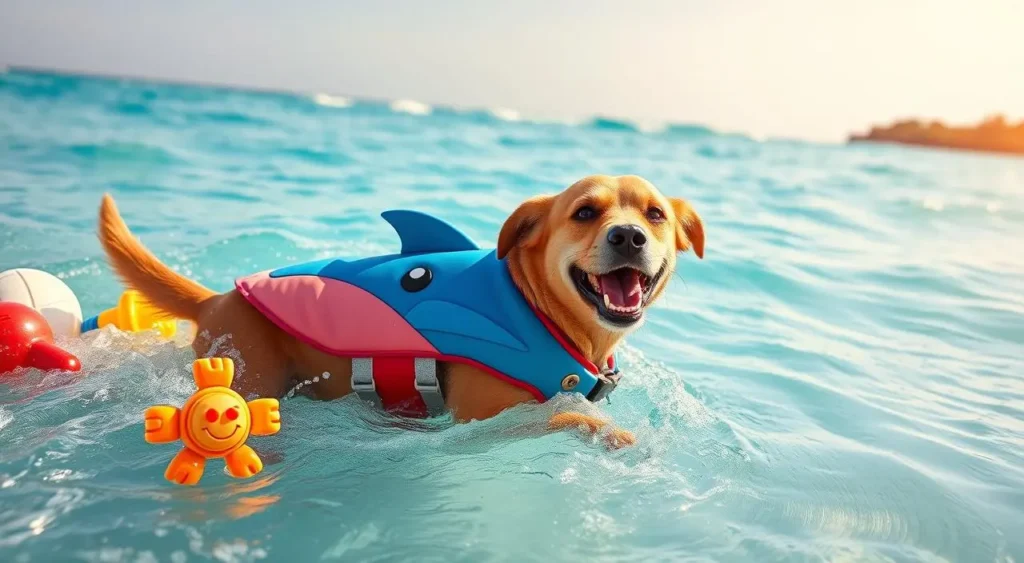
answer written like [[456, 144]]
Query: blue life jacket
[[442, 299]]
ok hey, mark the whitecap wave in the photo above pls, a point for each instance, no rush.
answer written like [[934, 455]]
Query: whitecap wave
[[565, 121], [613, 124], [934, 203], [411, 107], [330, 101], [506, 114], [651, 126]]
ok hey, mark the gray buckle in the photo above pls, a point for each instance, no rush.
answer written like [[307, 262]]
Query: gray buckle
[[362, 381], [428, 386], [607, 381]]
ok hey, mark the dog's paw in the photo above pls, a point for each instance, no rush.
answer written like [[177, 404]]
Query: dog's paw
[[564, 420], [619, 438], [614, 438]]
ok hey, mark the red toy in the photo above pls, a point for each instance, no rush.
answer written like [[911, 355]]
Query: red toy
[[27, 341]]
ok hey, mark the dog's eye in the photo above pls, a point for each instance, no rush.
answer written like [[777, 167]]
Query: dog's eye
[[416, 279], [584, 213], [655, 215]]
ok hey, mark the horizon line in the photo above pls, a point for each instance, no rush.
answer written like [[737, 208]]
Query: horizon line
[[236, 87], [635, 122]]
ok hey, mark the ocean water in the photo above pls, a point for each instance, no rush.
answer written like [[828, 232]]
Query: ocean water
[[840, 379]]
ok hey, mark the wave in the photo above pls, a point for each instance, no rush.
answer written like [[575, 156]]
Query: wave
[[411, 107], [609, 124], [133, 108], [229, 116], [330, 101], [60, 83], [689, 130], [316, 155], [481, 115], [505, 114], [652, 127], [938, 204], [125, 152], [718, 151]]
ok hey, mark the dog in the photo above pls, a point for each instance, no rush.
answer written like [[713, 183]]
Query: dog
[[592, 259]]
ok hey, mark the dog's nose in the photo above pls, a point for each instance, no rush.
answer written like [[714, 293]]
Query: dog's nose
[[627, 240]]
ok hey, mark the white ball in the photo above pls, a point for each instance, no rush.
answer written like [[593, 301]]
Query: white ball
[[47, 294]]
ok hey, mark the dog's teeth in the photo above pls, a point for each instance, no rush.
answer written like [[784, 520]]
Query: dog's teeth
[[607, 302], [594, 282], [620, 309]]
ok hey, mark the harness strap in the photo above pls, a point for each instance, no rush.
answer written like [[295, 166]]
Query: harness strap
[[362, 380], [404, 386], [428, 386]]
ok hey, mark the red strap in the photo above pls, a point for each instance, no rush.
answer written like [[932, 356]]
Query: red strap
[[395, 379], [562, 339]]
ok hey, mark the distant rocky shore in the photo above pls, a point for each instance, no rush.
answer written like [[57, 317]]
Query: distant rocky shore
[[994, 134]]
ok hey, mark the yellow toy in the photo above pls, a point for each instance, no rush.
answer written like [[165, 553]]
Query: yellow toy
[[214, 422], [134, 313]]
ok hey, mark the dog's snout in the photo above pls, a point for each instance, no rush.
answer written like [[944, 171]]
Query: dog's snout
[[627, 240]]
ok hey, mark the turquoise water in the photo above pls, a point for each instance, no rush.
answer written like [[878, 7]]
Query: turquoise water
[[842, 378]]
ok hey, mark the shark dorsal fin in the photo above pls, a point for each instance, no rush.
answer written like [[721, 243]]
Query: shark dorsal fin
[[420, 233]]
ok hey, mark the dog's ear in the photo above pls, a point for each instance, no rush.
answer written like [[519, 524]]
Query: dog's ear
[[522, 228], [689, 227]]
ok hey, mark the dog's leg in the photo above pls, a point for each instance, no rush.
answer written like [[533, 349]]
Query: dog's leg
[[473, 395], [615, 439]]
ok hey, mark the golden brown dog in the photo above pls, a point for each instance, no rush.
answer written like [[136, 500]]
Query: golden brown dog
[[591, 258]]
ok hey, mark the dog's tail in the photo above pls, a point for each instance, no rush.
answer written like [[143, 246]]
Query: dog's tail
[[139, 269]]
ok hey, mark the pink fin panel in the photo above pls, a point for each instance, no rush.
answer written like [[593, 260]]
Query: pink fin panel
[[334, 316]]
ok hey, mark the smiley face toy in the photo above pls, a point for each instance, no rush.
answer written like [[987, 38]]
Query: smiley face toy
[[215, 422]]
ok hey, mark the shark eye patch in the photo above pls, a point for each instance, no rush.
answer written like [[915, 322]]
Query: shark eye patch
[[417, 279]]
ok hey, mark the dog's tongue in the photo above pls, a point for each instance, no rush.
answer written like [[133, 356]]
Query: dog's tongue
[[622, 288]]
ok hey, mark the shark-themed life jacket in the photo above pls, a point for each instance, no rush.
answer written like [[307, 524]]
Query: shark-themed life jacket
[[441, 298]]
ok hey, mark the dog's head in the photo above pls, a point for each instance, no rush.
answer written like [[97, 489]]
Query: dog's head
[[595, 256]]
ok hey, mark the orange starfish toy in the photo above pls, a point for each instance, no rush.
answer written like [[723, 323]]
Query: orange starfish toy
[[214, 422]]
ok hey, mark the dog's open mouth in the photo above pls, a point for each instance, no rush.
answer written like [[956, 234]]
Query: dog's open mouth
[[620, 295]]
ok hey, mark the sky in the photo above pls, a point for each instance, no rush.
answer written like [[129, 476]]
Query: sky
[[807, 69]]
